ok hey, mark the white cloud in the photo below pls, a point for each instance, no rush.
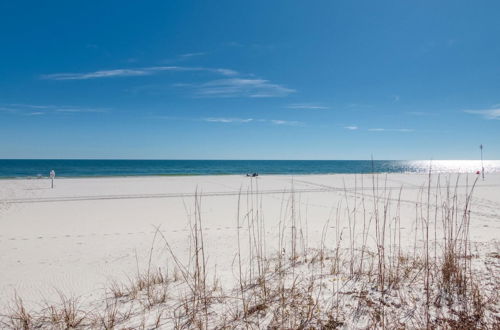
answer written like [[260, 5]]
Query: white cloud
[[228, 120], [306, 106], [229, 87], [225, 72], [391, 130], [249, 120], [189, 55], [132, 72], [73, 110], [487, 113], [99, 74], [352, 128], [239, 87], [285, 122], [31, 106], [27, 111], [37, 110]]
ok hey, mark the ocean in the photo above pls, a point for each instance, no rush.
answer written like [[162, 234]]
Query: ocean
[[22, 168]]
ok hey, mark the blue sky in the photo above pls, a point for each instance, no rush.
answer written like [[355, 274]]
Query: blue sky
[[249, 80]]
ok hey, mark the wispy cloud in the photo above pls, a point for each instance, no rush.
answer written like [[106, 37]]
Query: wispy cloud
[[228, 120], [147, 71], [74, 110], [355, 128], [486, 113], [38, 110], [285, 122], [30, 106], [391, 130], [184, 57], [21, 112], [239, 87], [190, 55], [100, 74], [222, 88], [224, 72], [307, 106]]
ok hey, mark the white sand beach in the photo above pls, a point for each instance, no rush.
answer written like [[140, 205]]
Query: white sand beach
[[86, 233]]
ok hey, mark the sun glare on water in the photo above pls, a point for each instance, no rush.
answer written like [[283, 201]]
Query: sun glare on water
[[453, 166]]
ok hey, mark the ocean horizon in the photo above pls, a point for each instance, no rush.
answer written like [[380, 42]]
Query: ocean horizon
[[32, 168]]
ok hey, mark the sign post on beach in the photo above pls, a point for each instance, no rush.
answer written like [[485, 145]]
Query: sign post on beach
[[52, 177], [482, 165]]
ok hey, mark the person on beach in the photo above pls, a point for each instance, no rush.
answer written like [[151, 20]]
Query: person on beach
[[52, 177]]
